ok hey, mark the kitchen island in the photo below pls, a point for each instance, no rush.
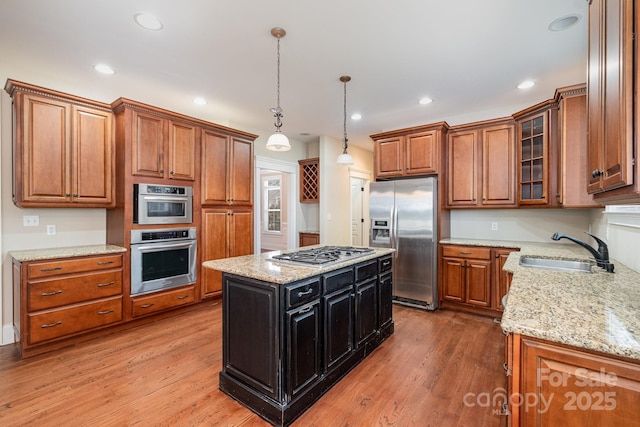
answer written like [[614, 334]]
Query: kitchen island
[[291, 332]]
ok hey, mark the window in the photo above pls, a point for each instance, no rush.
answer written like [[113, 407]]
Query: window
[[272, 203]]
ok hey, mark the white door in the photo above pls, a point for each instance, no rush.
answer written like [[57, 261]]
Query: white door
[[357, 211]]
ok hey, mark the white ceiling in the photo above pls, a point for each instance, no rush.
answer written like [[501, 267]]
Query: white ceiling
[[468, 56]]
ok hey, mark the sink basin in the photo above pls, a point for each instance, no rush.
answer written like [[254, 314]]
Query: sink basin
[[556, 264]]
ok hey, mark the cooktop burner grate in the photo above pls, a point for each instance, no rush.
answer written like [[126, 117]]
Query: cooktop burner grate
[[322, 255]]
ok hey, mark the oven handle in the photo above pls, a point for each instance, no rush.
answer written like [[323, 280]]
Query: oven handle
[[167, 199], [157, 247]]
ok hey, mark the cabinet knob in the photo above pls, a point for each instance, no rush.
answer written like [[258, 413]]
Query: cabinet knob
[[75, 194], [67, 194], [596, 173], [161, 170], [172, 172]]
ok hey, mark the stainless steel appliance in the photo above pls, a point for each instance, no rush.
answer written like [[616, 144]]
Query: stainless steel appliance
[[322, 256], [162, 259], [162, 204], [404, 216]]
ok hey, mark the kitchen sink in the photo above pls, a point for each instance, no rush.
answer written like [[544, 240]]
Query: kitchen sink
[[556, 264]]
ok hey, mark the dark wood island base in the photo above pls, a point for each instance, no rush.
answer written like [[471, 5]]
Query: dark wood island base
[[285, 345]]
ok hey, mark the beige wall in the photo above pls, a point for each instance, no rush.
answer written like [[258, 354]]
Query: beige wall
[[621, 232]]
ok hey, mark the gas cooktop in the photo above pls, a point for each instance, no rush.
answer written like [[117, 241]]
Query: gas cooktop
[[322, 256]]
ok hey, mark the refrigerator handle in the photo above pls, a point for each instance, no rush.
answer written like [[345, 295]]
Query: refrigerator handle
[[393, 230]]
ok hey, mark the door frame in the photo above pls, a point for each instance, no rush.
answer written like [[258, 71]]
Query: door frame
[[286, 168], [365, 176]]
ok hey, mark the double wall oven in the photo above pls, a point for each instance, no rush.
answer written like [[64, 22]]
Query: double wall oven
[[162, 258]]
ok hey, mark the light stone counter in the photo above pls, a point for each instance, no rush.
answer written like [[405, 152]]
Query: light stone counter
[[598, 311], [64, 252], [264, 267]]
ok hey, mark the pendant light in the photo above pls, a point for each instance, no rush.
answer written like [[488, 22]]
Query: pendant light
[[345, 158], [278, 141]]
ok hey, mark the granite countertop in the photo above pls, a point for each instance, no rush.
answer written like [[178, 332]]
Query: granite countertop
[[597, 311], [264, 267], [64, 252]]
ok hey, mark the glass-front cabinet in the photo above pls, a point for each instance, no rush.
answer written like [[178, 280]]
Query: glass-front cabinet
[[534, 156]]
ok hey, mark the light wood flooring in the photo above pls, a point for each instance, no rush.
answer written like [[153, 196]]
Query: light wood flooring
[[165, 373]]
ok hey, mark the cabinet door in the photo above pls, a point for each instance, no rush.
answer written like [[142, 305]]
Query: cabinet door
[[241, 172], [498, 159], [388, 156], [366, 315], [147, 145], [533, 149], [214, 154], [92, 148], [453, 281], [567, 387], [303, 348], [43, 154], [462, 173], [182, 151], [478, 282], [213, 246], [501, 280], [385, 299], [240, 232], [338, 327], [610, 94], [421, 153]]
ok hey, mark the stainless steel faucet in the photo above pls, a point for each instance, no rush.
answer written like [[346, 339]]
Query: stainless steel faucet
[[601, 255]]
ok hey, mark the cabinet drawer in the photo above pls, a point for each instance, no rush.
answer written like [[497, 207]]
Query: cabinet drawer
[[338, 279], [466, 252], [79, 318], [163, 301], [301, 293], [384, 264], [366, 270], [77, 265], [57, 292]]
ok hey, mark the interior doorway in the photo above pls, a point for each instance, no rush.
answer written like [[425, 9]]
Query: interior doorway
[[359, 209], [274, 205]]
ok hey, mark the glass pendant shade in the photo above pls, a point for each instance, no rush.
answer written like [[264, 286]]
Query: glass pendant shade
[[345, 159], [278, 142]]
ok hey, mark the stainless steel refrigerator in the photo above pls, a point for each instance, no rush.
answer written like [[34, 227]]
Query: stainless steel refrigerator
[[404, 217]]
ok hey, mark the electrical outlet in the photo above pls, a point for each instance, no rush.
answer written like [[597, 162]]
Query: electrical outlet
[[51, 230], [494, 226], [30, 220]]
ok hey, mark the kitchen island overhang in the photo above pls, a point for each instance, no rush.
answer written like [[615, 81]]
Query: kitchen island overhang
[[290, 333]]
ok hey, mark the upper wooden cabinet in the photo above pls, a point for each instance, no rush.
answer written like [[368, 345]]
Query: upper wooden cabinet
[[227, 169], [409, 152], [536, 141], [612, 100], [162, 148], [480, 157], [571, 169], [63, 149]]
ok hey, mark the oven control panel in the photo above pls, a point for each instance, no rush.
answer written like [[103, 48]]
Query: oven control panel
[[140, 236]]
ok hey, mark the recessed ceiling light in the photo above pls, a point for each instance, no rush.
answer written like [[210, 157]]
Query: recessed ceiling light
[[563, 23], [356, 116], [104, 69], [425, 101], [199, 100], [526, 84], [148, 21]]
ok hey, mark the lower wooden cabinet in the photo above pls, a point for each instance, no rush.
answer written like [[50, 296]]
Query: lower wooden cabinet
[[153, 303], [58, 299], [553, 384], [308, 239], [471, 278]]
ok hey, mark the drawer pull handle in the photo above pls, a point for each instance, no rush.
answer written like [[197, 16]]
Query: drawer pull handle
[[305, 310], [465, 253], [183, 296], [51, 325], [48, 294], [106, 312], [104, 262], [307, 292], [51, 269], [147, 305], [102, 285]]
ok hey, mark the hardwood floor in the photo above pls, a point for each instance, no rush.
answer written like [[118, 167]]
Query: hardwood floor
[[166, 373]]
